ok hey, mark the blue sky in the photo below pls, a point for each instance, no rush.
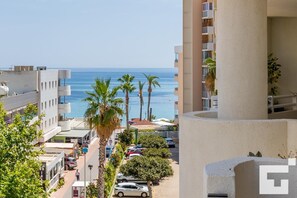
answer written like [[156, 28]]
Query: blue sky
[[90, 33]]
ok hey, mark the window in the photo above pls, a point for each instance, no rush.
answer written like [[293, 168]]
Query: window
[[44, 105], [49, 85], [56, 100], [53, 102], [44, 124], [42, 86], [49, 122], [56, 83], [45, 85], [49, 103]]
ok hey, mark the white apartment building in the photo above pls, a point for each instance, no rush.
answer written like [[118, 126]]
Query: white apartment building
[[41, 87], [246, 32]]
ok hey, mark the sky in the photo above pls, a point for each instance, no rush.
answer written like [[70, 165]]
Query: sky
[[90, 33]]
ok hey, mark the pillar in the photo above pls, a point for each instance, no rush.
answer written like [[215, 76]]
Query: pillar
[[242, 59]]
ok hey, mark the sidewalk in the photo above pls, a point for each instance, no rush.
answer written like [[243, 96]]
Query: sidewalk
[[70, 174]]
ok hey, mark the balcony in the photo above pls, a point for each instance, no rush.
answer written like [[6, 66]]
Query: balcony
[[64, 108], [176, 104], [207, 6], [207, 30], [208, 46], [208, 14], [15, 102], [64, 74], [176, 77], [176, 91], [64, 90], [65, 124], [176, 63]]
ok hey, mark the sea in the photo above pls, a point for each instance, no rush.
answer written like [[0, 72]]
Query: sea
[[162, 99]]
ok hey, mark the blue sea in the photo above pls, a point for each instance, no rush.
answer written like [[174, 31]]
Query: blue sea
[[162, 100]]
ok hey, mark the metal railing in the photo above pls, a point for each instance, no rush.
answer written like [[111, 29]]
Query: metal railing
[[282, 103]]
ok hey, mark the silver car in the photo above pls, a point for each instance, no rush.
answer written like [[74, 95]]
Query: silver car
[[131, 189]]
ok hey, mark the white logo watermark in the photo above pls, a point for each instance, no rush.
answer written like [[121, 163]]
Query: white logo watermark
[[267, 186]]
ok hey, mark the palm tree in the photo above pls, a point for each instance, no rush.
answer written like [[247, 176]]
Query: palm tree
[[211, 75], [127, 87], [152, 81], [103, 115], [140, 95]]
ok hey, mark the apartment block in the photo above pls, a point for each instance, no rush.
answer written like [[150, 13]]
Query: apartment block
[[245, 32], [43, 88]]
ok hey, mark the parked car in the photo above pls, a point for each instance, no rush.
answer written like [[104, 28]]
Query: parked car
[[131, 189], [121, 178], [108, 151], [133, 151], [170, 142], [70, 163], [131, 156]]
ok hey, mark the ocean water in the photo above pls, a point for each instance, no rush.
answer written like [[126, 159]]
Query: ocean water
[[162, 100]]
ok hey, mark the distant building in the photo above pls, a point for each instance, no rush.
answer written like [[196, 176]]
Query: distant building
[[44, 88]]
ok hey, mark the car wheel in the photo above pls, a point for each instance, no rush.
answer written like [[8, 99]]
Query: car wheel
[[120, 194], [143, 194]]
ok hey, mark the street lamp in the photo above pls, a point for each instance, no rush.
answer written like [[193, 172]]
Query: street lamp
[[90, 167]]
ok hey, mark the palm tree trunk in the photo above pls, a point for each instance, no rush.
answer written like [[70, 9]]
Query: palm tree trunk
[[148, 106], [127, 111], [101, 183], [150, 189], [140, 109]]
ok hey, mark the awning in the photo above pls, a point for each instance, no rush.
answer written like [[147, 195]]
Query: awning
[[73, 133]]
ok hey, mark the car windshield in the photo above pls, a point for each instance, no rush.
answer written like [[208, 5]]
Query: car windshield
[[138, 186]]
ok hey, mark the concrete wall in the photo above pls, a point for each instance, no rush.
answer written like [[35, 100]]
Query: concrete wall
[[49, 101], [205, 140], [282, 34], [192, 45], [20, 82]]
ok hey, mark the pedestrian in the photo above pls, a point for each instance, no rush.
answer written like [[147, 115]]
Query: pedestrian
[[77, 174]]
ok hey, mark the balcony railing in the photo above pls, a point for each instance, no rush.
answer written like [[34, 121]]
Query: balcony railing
[[17, 101], [207, 30], [176, 91], [208, 46], [176, 77], [64, 90], [64, 108], [282, 103], [207, 14], [64, 74]]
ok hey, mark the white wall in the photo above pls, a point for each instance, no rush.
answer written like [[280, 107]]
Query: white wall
[[48, 86], [206, 140], [283, 38], [20, 82]]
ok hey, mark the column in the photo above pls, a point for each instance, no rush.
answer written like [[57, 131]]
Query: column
[[242, 59]]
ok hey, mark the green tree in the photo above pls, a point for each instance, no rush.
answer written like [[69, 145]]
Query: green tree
[[148, 169], [140, 95], [126, 137], [103, 114], [211, 75], [157, 152], [19, 164], [152, 141], [152, 82], [274, 73], [127, 87]]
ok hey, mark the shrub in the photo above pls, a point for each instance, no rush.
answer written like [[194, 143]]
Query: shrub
[[154, 152], [115, 159], [152, 141], [109, 175], [126, 137]]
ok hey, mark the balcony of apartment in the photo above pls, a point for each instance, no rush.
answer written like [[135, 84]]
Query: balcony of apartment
[[18, 101], [176, 77], [176, 63], [64, 90], [176, 105], [176, 120], [207, 30], [64, 108], [176, 91], [65, 124], [64, 74], [208, 46], [207, 10]]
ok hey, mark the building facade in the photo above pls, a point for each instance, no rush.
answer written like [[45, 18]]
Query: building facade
[[245, 33]]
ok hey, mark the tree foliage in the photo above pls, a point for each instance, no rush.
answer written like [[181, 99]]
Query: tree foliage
[[274, 73], [19, 164], [148, 169], [211, 74], [152, 81], [126, 137], [152, 141], [154, 152]]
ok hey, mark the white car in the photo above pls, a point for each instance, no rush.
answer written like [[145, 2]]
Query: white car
[[122, 178], [131, 189], [131, 156]]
